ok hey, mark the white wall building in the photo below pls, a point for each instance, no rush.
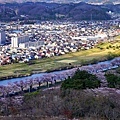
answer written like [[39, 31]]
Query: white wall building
[[31, 44], [16, 40]]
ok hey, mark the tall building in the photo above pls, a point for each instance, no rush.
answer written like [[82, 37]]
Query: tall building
[[16, 40], [2, 37]]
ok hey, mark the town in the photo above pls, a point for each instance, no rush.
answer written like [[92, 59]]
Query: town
[[25, 42]]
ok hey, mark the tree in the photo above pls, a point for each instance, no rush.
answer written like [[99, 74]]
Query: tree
[[30, 83], [81, 80], [38, 80], [113, 80], [21, 85]]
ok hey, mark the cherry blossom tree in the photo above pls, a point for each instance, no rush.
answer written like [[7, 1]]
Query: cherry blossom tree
[[30, 83], [47, 78], [5, 90], [38, 80], [20, 85]]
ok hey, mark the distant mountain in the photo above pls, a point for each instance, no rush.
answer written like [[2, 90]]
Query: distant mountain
[[55, 11], [60, 1]]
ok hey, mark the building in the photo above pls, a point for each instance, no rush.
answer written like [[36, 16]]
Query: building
[[17, 40], [31, 44], [2, 37]]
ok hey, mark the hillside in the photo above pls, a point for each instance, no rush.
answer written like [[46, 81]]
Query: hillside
[[55, 11]]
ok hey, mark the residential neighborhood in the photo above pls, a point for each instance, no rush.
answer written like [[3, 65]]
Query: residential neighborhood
[[22, 43]]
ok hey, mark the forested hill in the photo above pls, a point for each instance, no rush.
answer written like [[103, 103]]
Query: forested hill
[[55, 11]]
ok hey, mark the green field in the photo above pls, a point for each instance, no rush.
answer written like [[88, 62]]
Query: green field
[[98, 53]]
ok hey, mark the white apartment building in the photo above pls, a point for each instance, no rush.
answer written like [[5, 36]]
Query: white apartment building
[[31, 44], [17, 40]]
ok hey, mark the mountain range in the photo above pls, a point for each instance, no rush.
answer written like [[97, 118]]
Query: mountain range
[[61, 1], [56, 11]]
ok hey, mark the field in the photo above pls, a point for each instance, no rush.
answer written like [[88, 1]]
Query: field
[[98, 53]]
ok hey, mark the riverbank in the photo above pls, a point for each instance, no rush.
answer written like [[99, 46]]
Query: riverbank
[[101, 52]]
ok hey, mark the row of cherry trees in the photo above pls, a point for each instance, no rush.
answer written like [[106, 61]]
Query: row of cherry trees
[[31, 83], [52, 78], [95, 68]]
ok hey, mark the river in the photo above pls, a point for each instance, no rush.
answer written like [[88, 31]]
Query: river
[[7, 81]]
